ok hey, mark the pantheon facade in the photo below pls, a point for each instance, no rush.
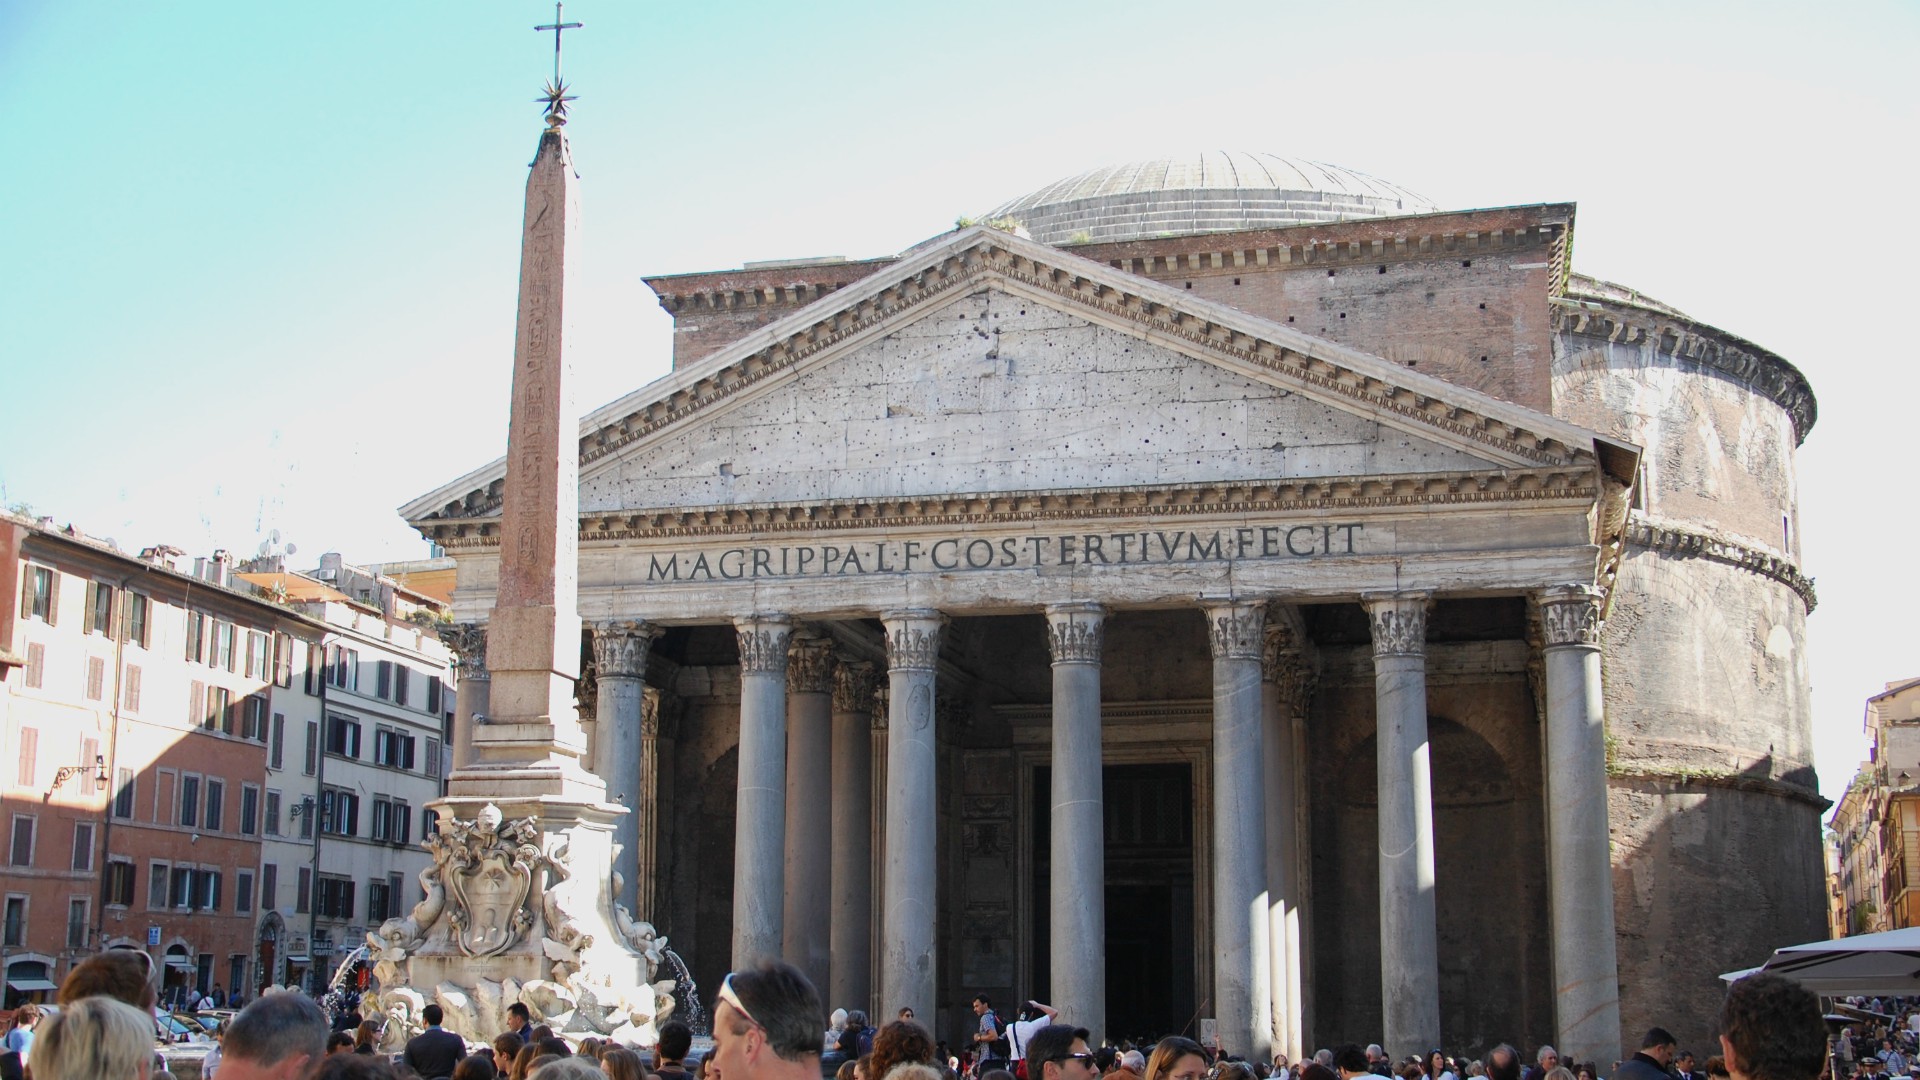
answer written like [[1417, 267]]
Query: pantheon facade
[[1227, 595]]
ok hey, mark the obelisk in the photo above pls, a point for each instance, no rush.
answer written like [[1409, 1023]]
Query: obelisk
[[532, 741]]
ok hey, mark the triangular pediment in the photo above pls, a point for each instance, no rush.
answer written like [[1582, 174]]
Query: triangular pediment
[[983, 362]]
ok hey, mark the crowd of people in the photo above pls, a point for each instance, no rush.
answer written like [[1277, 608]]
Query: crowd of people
[[767, 1026]]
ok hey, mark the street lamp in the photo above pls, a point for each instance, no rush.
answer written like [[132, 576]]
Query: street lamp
[[67, 772]]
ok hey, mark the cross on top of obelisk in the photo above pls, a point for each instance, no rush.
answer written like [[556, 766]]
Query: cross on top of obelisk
[[554, 96]]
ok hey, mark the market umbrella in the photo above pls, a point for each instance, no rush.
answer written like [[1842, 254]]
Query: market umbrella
[[1886, 963]]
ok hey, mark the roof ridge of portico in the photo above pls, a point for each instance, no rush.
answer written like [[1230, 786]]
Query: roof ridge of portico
[[1323, 369]]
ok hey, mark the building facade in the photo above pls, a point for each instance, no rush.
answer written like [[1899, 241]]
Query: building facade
[[1874, 833], [141, 718], [1275, 602]]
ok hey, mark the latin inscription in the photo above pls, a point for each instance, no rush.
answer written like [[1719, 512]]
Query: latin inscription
[[961, 554]]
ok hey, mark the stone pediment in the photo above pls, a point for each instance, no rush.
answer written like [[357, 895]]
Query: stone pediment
[[982, 362]]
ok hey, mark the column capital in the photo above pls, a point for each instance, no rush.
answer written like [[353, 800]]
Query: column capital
[[468, 643], [1570, 616], [763, 642], [1398, 622], [913, 638], [1286, 666], [1074, 632], [809, 665], [1235, 628], [853, 686], [620, 648]]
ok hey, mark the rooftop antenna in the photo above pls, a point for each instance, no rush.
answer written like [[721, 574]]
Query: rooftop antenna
[[554, 96]]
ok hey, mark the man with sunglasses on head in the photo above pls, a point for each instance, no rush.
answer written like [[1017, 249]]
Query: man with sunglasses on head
[[1059, 1052], [767, 1026]]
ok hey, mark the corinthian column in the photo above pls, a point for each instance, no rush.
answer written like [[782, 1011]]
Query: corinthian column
[[468, 641], [1288, 682], [806, 942], [1586, 975], [907, 977], [1409, 941], [851, 975], [620, 659], [1239, 830], [760, 822], [1077, 923]]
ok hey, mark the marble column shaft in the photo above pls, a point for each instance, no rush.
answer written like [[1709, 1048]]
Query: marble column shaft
[[806, 942], [620, 665], [850, 936], [1287, 678], [1586, 974], [909, 900], [1077, 917], [1409, 938], [759, 832], [1240, 915]]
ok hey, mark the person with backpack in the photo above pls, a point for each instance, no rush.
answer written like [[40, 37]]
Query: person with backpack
[[989, 1039]]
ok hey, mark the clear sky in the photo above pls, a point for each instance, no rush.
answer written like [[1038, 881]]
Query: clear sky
[[257, 261]]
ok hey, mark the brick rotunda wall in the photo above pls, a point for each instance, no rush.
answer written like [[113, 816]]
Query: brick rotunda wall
[[1715, 811]]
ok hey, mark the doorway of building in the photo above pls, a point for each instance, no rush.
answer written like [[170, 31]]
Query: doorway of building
[[1150, 946]]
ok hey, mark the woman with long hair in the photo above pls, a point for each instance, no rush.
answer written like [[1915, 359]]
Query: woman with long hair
[[899, 1043], [620, 1063], [1175, 1058], [1436, 1067]]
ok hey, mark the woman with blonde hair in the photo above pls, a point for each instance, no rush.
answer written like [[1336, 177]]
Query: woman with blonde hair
[[96, 1038], [1175, 1058], [620, 1063]]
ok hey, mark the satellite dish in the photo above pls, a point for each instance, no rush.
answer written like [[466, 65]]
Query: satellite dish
[[293, 549], [273, 536], [264, 545]]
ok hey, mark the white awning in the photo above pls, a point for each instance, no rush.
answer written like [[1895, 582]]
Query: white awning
[[303, 959], [181, 965], [29, 985]]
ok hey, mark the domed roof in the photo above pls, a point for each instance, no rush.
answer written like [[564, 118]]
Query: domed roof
[[1211, 191]]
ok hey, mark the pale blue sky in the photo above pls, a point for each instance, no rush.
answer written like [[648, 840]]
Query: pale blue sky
[[257, 262]]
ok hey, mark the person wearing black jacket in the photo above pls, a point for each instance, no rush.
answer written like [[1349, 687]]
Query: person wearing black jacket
[[434, 1052]]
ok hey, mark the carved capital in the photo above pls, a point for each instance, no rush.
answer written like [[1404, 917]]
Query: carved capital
[[913, 638], [649, 714], [882, 696], [1235, 629], [853, 686], [468, 643], [1570, 616], [620, 648], [1286, 667], [809, 665], [1398, 622], [763, 643], [1074, 632]]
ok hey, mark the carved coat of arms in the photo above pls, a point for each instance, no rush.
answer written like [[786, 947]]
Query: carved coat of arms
[[488, 871]]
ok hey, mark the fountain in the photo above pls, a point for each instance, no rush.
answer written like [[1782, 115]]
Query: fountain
[[685, 991]]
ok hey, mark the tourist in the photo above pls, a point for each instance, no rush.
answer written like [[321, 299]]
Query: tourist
[[1771, 1029], [1655, 1053], [899, 1043], [989, 1041], [1544, 1059], [570, 1067], [1314, 1070], [1175, 1058], [670, 1050], [366, 1037], [1377, 1061], [1685, 1068], [590, 1048], [863, 1068], [766, 1026], [1030, 1019], [97, 1038], [519, 1020], [10, 1067], [1559, 1072], [1059, 1052], [1503, 1063], [20, 1036], [339, 1043], [506, 1047], [857, 1040], [476, 1067], [354, 1067], [116, 973], [848, 1070], [906, 1013], [523, 1062], [619, 1063], [278, 1037], [434, 1052], [1134, 1062], [555, 1045], [836, 1026]]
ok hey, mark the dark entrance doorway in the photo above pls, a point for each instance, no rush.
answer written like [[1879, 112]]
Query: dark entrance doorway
[[1149, 897]]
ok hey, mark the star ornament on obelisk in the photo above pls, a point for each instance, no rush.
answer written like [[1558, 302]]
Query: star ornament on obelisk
[[532, 743], [554, 94]]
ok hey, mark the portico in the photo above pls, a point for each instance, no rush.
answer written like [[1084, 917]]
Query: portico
[[1025, 522]]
